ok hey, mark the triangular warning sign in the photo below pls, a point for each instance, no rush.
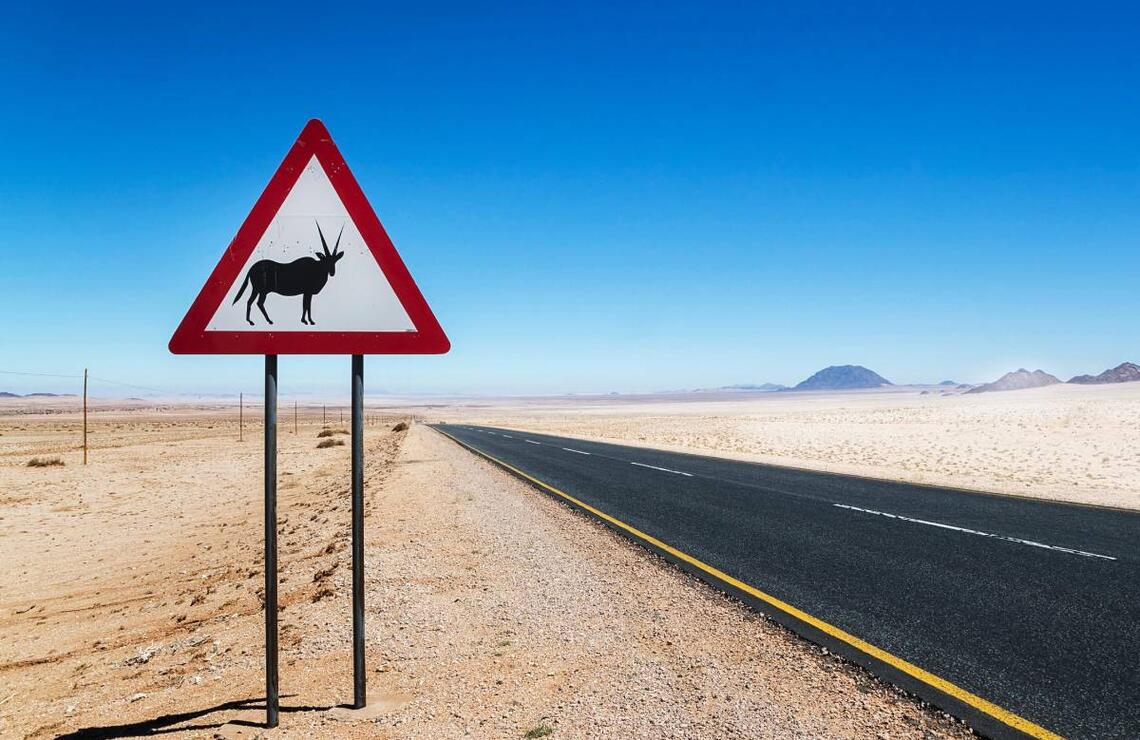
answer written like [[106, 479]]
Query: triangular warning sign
[[311, 271]]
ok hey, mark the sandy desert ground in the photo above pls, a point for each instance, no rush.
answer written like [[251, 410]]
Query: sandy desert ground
[[130, 602], [1064, 442]]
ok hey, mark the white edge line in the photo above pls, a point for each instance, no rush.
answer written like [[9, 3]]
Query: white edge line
[[940, 525], [665, 470]]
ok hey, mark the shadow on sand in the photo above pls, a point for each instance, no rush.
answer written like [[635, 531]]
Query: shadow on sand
[[166, 723]]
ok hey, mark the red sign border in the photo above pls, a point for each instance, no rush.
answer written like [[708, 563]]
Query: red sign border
[[191, 336]]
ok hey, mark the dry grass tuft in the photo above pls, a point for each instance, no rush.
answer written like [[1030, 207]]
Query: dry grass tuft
[[326, 443], [44, 462]]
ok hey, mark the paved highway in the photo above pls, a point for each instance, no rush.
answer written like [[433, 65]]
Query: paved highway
[[1020, 616]]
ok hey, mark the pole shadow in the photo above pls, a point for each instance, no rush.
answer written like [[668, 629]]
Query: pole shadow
[[167, 723]]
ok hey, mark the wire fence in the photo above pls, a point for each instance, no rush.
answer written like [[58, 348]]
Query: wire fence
[[330, 413], [90, 378]]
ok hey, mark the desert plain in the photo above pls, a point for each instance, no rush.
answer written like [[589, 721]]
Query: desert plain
[[1062, 442], [131, 598]]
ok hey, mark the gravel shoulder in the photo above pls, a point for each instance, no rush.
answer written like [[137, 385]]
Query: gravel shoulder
[[510, 612]]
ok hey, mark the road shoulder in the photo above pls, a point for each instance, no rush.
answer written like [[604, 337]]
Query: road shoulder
[[512, 612]]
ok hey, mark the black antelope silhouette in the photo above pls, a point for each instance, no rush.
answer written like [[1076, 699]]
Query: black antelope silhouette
[[303, 277]]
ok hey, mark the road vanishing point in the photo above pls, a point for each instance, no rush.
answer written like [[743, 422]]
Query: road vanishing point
[[1019, 616]]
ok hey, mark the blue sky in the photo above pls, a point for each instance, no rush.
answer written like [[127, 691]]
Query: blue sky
[[663, 196]]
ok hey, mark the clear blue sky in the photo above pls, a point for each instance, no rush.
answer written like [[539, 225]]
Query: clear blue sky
[[592, 199]]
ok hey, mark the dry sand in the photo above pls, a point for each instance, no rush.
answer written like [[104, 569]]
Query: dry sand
[[1064, 442], [130, 602]]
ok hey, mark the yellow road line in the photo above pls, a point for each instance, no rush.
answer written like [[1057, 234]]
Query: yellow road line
[[1006, 717]]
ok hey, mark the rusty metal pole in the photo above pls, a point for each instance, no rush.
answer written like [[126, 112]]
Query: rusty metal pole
[[84, 416]]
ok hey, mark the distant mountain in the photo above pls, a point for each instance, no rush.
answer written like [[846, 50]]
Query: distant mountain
[[6, 394], [1126, 372], [752, 387], [1017, 380], [843, 377], [948, 382]]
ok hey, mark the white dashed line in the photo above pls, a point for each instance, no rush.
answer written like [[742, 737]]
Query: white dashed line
[[1019, 541], [579, 452], [664, 470], [508, 436], [531, 441]]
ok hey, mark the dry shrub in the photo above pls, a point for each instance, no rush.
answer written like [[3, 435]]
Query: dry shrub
[[323, 593], [401, 427], [44, 462], [326, 443], [331, 432]]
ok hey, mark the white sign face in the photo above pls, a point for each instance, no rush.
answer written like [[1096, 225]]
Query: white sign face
[[293, 282]]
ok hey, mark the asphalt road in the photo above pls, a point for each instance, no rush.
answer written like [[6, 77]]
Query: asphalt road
[[1029, 605]]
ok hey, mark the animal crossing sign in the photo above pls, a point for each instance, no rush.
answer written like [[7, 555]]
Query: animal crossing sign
[[280, 288], [311, 271]]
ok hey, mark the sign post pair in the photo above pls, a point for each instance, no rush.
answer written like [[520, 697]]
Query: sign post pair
[[281, 289]]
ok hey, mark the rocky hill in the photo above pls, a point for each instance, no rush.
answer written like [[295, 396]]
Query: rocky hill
[[7, 394], [1125, 372], [1017, 380], [843, 377]]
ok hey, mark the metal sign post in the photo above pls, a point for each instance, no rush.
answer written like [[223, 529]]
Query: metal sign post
[[271, 697], [358, 677]]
